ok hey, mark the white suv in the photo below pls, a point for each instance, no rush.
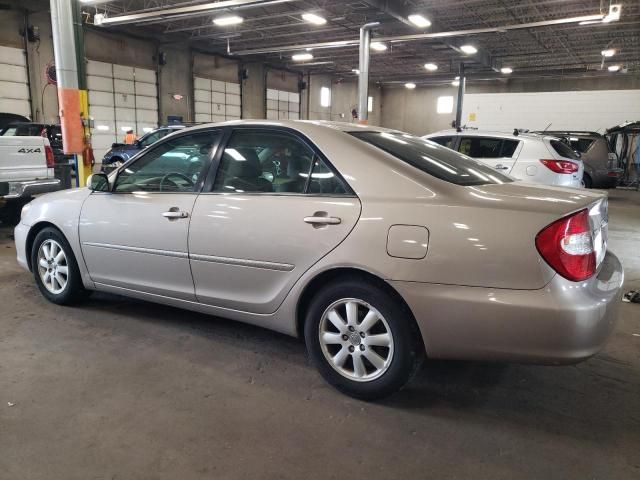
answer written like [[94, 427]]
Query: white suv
[[529, 157]]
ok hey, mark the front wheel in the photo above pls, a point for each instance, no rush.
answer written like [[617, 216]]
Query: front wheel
[[55, 268], [363, 341]]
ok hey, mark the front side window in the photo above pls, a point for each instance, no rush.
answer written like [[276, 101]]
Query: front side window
[[263, 161], [434, 159], [173, 166]]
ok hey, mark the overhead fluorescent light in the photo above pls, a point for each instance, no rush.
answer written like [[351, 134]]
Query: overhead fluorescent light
[[432, 67], [469, 49], [147, 129], [609, 52], [226, 21], [313, 18], [456, 83], [356, 71], [419, 20], [301, 57], [506, 70], [125, 128], [378, 46], [410, 85], [613, 68], [102, 127]]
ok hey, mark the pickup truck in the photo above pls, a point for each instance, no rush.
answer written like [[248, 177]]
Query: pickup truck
[[26, 169]]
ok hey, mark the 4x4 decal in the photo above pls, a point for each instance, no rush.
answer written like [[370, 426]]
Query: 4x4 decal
[[30, 150]]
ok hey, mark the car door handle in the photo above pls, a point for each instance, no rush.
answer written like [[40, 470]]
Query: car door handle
[[317, 220], [501, 167], [174, 213]]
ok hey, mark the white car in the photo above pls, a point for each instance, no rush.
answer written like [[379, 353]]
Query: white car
[[529, 157]]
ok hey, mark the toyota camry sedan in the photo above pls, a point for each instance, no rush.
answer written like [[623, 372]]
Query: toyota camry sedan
[[379, 248]]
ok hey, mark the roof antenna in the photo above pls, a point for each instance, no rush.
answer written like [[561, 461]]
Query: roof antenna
[[547, 127]]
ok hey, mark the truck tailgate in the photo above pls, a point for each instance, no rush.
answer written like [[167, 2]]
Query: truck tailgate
[[23, 158]]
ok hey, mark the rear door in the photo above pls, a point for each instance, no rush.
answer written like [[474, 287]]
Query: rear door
[[496, 152], [274, 208]]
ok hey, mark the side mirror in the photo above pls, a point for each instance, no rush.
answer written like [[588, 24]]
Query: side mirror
[[98, 182]]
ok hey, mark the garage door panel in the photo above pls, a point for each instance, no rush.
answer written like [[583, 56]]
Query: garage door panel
[[104, 126], [294, 97], [202, 107], [146, 89], [272, 104], [125, 100], [101, 113], [146, 103], [217, 86], [100, 99], [10, 105], [233, 88], [125, 114], [232, 99], [145, 75], [287, 105], [283, 115], [144, 127], [148, 116], [16, 91], [233, 111], [272, 114], [294, 107], [218, 118], [272, 94], [102, 140], [124, 86], [99, 68], [294, 116], [200, 83], [203, 117], [123, 72], [202, 96], [13, 73], [102, 84], [218, 109], [12, 56]]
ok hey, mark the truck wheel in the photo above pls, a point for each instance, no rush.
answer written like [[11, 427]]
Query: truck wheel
[[55, 268]]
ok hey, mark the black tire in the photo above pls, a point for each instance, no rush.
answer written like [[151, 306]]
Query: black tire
[[408, 349], [588, 182], [74, 291]]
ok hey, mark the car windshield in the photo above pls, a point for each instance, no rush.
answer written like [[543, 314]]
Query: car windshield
[[434, 159]]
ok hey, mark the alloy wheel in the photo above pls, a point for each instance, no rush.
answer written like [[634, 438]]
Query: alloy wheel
[[53, 267]]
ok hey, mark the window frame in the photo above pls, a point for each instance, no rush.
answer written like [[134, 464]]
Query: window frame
[[167, 138], [207, 188]]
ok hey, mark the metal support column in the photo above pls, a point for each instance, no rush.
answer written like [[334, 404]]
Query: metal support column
[[461, 87], [363, 80]]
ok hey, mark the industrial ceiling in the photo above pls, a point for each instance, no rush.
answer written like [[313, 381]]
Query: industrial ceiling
[[273, 31]]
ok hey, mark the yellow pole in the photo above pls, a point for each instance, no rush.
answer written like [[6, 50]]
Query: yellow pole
[[84, 170]]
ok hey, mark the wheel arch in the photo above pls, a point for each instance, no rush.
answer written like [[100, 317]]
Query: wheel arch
[[340, 273], [33, 233]]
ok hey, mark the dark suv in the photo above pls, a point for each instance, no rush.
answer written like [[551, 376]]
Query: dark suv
[[50, 131], [122, 152], [601, 168]]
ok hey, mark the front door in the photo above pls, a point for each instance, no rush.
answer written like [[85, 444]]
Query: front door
[[135, 236], [276, 207]]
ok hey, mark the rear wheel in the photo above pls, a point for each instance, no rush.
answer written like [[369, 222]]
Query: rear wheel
[[55, 268], [362, 340]]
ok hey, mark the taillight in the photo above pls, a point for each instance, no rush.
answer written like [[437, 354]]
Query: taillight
[[567, 246], [560, 166], [48, 151]]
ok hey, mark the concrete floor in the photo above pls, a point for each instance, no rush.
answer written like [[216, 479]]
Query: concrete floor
[[121, 389]]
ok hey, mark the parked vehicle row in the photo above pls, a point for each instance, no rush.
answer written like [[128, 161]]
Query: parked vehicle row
[[377, 247]]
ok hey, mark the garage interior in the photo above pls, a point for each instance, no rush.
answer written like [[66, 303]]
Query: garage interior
[[121, 388]]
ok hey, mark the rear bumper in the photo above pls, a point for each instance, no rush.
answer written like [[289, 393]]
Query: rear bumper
[[565, 322], [27, 188]]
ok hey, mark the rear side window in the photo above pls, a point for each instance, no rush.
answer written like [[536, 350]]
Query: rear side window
[[434, 159], [509, 148], [581, 145], [444, 141], [563, 149], [480, 147]]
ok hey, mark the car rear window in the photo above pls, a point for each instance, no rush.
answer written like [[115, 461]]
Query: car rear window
[[432, 158], [563, 149]]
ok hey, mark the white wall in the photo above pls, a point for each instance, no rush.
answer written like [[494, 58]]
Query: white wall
[[577, 110]]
